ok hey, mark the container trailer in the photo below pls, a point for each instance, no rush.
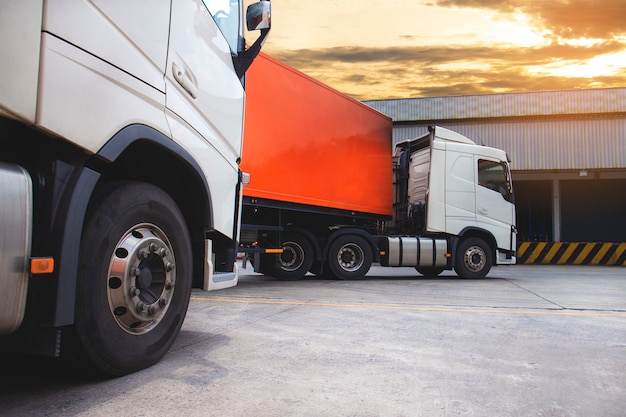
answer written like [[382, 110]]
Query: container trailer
[[330, 195]]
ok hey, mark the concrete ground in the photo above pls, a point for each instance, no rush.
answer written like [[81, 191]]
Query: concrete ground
[[526, 341]]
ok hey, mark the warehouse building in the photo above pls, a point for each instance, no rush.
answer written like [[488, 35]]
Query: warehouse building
[[568, 153]]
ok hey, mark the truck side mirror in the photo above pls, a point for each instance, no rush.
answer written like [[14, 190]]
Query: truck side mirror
[[258, 16]]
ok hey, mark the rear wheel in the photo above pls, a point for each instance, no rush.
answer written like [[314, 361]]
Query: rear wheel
[[350, 257], [473, 258], [296, 259], [134, 277]]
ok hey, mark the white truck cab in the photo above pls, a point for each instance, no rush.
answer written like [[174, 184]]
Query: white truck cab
[[460, 195], [472, 186], [121, 128]]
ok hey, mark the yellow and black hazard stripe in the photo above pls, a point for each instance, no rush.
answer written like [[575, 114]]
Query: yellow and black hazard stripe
[[571, 253]]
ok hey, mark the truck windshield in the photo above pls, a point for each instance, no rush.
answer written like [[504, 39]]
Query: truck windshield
[[226, 14], [495, 176]]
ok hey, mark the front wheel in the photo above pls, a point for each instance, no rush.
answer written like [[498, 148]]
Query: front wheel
[[134, 277], [473, 258], [350, 257]]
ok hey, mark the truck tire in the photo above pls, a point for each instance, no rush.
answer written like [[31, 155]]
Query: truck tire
[[350, 257], [473, 258], [134, 277], [429, 271], [296, 259]]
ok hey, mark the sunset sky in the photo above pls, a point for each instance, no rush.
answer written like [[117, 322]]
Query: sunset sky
[[377, 49]]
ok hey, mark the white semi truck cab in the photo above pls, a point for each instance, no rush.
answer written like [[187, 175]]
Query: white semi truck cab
[[453, 206], [120, 135]]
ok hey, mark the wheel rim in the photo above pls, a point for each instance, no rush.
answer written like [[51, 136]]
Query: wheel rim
[[292, 257], [141, 278], [475, 258], [350, 257]]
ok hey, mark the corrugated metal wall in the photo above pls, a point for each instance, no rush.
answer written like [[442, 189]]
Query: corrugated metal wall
[[562, 130], [545, 145]]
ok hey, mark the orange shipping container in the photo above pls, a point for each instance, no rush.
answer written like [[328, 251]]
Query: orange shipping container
[[307, 143]]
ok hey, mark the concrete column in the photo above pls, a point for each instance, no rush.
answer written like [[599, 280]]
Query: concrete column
[[556, 210]]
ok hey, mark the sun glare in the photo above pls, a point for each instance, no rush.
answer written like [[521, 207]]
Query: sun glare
[[586, 42], [516, 29], [604, 65]]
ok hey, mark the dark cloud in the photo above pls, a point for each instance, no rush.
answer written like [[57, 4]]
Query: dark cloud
[[445, 54], [571, 19], [510, 81], [357, 78]]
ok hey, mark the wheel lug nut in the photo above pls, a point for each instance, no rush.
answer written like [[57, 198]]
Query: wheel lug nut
[[143, 254], [135, 272], [152, 309], [168, 285], [162, 302], [134, 292], [153, 247], [141, 307], [163, 252], [169, 266]]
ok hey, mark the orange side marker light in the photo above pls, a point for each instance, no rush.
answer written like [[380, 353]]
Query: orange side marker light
[[41, 265]]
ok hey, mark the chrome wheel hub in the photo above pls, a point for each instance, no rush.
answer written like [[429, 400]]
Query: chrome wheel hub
[[141, 278], [475, 258]]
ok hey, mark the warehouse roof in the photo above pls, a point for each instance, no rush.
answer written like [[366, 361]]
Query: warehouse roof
[[529, 104]]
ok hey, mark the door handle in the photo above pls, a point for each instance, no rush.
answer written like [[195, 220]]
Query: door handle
[[483, 211], [185, 80]]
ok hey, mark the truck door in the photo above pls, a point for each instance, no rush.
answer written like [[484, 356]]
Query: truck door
[[494, 199], [204, 97], [202, 85]]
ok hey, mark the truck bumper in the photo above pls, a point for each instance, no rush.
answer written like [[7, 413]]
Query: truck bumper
[[505, 258]]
